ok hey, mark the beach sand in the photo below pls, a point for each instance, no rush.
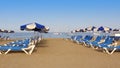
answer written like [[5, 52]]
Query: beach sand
[[60, 53]]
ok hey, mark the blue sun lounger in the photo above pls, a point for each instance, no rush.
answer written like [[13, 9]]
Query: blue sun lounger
[[85, 41], [82, 39], [105, 44], [91, 43], [94, 45], [25, 46]]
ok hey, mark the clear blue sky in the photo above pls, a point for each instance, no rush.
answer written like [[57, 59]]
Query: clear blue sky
[[60, 15]]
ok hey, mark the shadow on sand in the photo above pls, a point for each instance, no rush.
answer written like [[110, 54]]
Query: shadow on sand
[[42, 43]]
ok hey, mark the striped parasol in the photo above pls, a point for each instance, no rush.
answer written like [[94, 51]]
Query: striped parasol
[[35, 27]]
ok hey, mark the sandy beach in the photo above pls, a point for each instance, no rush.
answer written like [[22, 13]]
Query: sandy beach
[[60, 53]]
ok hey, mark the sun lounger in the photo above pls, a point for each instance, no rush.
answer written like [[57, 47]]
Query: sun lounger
[[108, 42], [27, 47], [91, 43], [85, 41], [82, 39], [94, 45]]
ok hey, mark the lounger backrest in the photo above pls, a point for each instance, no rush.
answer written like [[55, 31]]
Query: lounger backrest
[[106, 39], [98, 38], [110, 41], [72, 37], [78, 37], [88, 37]]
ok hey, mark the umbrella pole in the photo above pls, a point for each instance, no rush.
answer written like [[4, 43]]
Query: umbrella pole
[[41, 36], [34, 37]]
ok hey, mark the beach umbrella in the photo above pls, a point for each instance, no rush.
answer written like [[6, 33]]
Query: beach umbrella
[[95, 30], [116, 30], [1, 30], [91, 28], [5, 31], [34, 27], [11, 31], [45, 30], [82, 30], [78, 30], [104, 29]]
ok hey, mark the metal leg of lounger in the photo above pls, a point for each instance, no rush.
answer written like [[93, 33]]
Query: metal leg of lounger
[[7, 51], [32, 48], [25, 51], [113, 50], [109, 52], [84, 44], [106, 50], [77, 42], [96, 48], [92, 46], [0, 52]]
